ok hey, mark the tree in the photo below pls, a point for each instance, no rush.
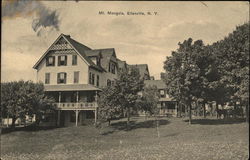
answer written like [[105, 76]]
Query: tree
[[149, 100], [21, 98], [217, 72], [128, 85], [184, 81], [122, 96], [148, 103], [108, 107], [233, 63]]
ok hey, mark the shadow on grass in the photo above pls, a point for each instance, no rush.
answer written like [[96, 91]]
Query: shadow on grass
[[217, 121], [30, 128], [122, 125]]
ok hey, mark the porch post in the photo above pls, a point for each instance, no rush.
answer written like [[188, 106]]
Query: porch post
[[58, 117], [59, 99], [77, 98], [76, 117], [95, 115], [96, 107]]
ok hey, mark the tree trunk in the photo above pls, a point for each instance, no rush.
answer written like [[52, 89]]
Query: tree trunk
[[185, 109], [247, 112], [13, 122], [157, 126], [109, 122], [180, 109], [204, 109], [217, 115], [190, 113], [128, 117]]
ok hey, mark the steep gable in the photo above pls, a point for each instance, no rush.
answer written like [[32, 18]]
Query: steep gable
[[67, 44]]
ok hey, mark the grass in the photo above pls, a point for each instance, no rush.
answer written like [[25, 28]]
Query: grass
[[205, 139]]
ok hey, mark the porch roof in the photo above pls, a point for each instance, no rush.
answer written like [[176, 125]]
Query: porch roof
[[166, 99], [71, 87]]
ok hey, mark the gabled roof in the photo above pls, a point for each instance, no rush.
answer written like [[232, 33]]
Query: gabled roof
[[82, 49], [158, 83], [78, 47], [121, 64], [143, 68]]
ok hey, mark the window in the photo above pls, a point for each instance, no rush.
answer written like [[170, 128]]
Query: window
[[93, 79], [76, 77], [112, 67], [112, 83], [61, 77], [162, 93], [97, 80], [50, 61], [74, 59], [90, 78], [108, 82], [62, 60], [47, 78]]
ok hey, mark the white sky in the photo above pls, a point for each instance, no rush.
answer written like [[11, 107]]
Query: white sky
[[136, 39]]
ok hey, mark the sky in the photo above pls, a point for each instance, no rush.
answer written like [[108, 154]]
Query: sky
[[30, 27]]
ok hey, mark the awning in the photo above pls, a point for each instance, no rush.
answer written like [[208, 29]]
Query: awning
[[71, 87]]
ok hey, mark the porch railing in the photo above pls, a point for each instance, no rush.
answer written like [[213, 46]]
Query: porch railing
[[80, 105]]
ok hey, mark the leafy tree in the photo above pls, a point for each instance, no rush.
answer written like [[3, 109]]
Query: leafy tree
[[218, 72], [128, 85], [184, 80], [149, 100], [21, 98], [108, 107], [233, 63], [122, 96]]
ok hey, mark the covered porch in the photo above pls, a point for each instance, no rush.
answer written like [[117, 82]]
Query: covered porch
[[75, 103], [168, 106]]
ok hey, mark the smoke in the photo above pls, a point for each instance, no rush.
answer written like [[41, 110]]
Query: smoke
[[25, 8]]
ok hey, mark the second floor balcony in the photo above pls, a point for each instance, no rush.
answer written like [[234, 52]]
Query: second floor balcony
[[74, 106]]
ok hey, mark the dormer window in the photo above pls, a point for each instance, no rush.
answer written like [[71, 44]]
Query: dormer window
[[112, 67], [61, 78], [162, 93], [50, 61], [62, 60]]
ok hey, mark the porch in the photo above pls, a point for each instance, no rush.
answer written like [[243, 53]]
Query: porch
[[168, 107], [74, 103]]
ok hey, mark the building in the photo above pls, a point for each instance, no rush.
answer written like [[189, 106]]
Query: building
[[73, 74], [143, 70], [167, 105]]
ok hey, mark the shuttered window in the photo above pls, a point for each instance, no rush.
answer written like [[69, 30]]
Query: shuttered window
[[50, 61], [62, 60], [61, 77]]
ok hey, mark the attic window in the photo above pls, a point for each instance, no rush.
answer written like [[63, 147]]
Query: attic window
[[50, 61], [62, 60]]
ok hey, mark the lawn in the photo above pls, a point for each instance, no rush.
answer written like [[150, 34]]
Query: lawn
[[205, 139]]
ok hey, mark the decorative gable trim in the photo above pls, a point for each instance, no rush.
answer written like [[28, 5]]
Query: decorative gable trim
[[51, 48]]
